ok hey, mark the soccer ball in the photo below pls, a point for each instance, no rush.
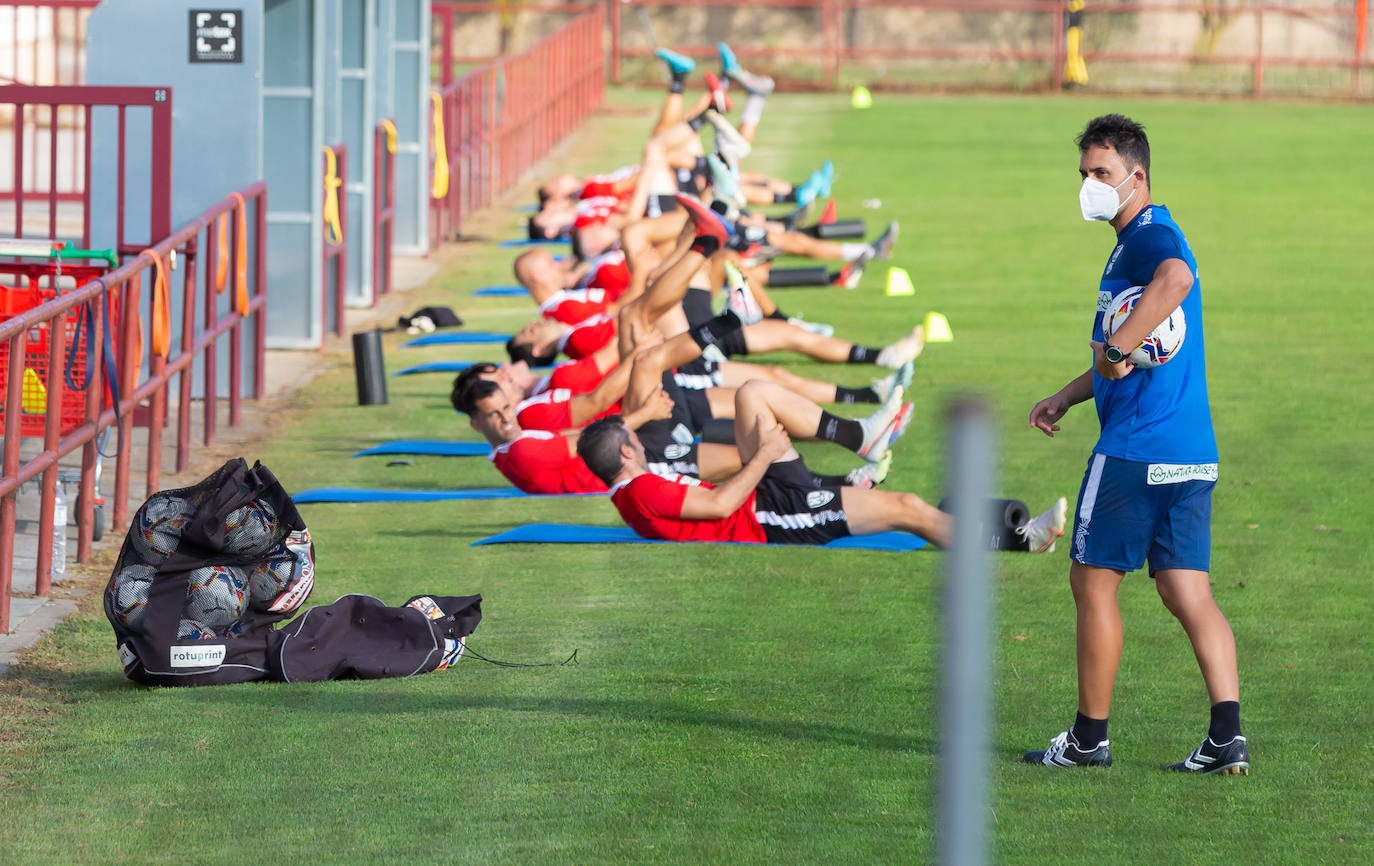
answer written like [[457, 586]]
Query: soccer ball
[[248, 530], [189, 629], [129, 594], [158, 525], [283, 581], [215, 595], [1162, 343]]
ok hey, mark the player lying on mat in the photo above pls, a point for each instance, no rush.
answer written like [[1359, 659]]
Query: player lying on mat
[[772, 499]]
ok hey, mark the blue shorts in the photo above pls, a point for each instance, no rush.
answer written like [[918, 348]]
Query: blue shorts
[[1130, 513]]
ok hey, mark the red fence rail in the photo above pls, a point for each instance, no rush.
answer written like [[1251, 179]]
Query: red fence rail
[[830, 47], [149, 272], [23, 104], [501, 118]]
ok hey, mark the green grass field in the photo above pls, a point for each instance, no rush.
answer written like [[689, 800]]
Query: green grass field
[[777, 705]]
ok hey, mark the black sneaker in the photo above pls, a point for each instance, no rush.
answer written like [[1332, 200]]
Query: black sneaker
[[1228, 759], [1064, 751]]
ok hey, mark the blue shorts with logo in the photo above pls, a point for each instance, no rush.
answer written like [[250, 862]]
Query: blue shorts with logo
[[1131, 513]]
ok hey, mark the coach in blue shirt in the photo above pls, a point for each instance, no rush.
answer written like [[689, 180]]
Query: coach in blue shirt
[[1147, 493]]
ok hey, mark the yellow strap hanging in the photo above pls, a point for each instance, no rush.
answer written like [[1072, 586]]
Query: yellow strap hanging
[[333, 231], [390, 129], [437, 147]]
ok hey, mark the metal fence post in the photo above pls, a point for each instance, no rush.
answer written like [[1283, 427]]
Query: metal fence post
[[965, 663]]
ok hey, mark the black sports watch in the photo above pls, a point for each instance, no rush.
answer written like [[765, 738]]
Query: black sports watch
[[1113, 354]]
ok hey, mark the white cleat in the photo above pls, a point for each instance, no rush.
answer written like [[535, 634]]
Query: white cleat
[[732, 146], [740, 300], [900, 378], [906, 349], [1043, 530], [885, 426]]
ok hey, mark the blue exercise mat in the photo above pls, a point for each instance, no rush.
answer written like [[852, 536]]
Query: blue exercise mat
[[531, 242], [563, 533], [440, 339], [436, 447], [366, 494], [437, 367], [500, 291], [451, 367]]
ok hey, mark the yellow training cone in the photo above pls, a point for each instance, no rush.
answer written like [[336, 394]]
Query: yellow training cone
[[899, 282], [861, 98], [937, 329], [33, 396]]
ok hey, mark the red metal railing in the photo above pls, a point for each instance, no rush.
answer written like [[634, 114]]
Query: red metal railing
[[43, 42], [500, 119], [446, 16], [150, 270], [335, 246], [383, 206], [828, 50], [22, 103]]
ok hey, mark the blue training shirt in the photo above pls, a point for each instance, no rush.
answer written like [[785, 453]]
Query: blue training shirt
[[1157, 415]]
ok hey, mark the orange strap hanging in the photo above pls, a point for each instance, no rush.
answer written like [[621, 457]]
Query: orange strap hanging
[[162, 310], [240, 254]]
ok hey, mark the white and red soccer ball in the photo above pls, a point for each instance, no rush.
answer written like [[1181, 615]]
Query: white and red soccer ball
[[1162, 343]]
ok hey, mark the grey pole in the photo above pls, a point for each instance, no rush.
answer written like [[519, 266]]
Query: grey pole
[[965, 699]]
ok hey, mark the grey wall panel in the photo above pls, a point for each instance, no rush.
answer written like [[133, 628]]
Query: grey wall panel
[[216, 125]]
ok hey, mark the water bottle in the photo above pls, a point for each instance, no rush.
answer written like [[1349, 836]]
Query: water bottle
[[59, 534]]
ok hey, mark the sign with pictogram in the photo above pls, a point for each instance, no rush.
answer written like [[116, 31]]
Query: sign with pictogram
[[216, 36]]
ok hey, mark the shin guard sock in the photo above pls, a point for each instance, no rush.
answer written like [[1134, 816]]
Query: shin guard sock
[[710, 332], [1225, 725], [845, 432], [777, 314], [706, 245], [789, 197], [855, 395], [862, 355]]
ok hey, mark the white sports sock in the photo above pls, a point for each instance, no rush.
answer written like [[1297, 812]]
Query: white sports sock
[[850, 252], [753, 109]]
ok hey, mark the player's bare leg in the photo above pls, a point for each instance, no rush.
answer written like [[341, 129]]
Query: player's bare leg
[[1099, 636], [1188, 596], [872, 511]]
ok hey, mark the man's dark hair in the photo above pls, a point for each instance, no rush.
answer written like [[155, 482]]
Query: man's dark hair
[[525, 352], [599, 447], [544, 196], [1123, 135], [536, 231], [462, 396]]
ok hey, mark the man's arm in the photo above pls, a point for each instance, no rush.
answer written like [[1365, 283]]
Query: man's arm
[[1172, 281], [585, 407], [1051, 409], [719, 502]]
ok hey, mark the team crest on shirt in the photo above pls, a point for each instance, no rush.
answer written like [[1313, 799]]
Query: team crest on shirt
[[676, 451], [817, 498], [1146, 218]]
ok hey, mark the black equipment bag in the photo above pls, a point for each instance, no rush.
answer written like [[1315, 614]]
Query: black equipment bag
[[206, 571]]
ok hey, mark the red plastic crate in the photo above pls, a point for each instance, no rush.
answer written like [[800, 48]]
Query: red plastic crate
[[22, 287]]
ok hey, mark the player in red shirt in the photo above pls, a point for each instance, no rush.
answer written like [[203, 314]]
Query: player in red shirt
[[538, 461], [771, 499]]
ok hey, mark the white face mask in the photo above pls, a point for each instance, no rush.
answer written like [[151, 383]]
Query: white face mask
[[1098, 199]]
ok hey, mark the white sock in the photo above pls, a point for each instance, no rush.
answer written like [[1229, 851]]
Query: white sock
[[753, 109], [850, 252]]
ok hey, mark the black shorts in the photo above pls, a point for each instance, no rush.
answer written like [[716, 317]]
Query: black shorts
[[696, 305], [664, 448], [792, 509]]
